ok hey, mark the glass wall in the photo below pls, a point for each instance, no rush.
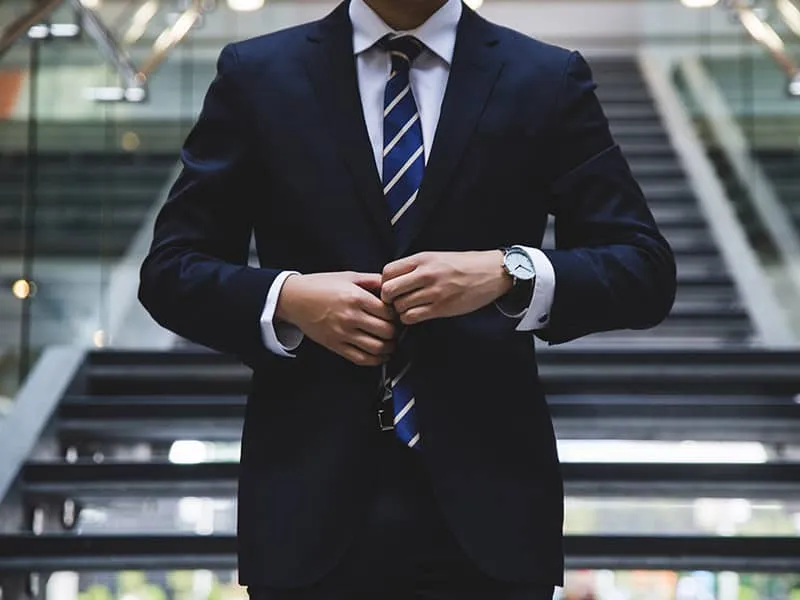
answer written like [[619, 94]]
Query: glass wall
[[83, 173], [96, 101]]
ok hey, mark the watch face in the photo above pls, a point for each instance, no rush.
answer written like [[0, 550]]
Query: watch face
[[519, 265]]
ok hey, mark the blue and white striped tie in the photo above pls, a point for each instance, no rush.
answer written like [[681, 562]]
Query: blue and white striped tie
[[403, 166]]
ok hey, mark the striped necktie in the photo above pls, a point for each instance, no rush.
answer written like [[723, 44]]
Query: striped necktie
[[403, 166]]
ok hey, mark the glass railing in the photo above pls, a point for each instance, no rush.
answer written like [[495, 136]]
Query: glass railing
[[580, 585], [90, 128], [81, 174], [740, 81]]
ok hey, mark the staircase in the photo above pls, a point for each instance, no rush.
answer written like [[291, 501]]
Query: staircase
[[108, 444], [104, 484], [707, 307]]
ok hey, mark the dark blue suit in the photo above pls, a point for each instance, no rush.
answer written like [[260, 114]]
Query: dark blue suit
[[281, 149]]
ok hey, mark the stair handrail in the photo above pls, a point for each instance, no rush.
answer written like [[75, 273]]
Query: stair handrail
[[766, 312], [34, 406], [734, 144]]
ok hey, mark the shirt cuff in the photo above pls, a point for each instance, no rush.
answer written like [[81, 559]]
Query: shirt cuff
[[279, 338], [544, 287]]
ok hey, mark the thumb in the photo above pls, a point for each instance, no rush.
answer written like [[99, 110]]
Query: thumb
[[369, 281]]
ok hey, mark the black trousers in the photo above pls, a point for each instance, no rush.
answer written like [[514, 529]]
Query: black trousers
[[405, 550]]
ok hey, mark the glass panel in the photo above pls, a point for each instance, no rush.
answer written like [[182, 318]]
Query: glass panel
[[669, 585], [594, 451], [584, 516], [579, 585], [688, 516], [15, 207], [140, 585], [190, 514], [98, 180], [82, 173]]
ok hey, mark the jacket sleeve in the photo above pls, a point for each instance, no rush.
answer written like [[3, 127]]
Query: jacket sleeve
[[195, 280], [613, 268]]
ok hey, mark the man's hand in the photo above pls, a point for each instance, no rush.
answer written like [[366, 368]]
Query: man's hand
[[432, 285], [342, 312]]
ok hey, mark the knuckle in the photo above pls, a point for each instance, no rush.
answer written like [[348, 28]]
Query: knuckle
[[348, 318], [353, 298], [427, 276]]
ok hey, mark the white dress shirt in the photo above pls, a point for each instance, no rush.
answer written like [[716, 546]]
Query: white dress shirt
[[428, 76]]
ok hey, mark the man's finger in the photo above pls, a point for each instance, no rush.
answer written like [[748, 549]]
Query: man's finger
[[417, 314], [404, 284], [369, 281], [419, 297], [401, 267], [377, 308], [359, 357], [369, 344], [378, 327]]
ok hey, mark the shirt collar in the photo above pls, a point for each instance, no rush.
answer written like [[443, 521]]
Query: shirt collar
[[438, 33]]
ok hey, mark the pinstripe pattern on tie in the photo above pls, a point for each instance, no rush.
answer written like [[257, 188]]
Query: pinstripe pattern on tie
[[403, 167]]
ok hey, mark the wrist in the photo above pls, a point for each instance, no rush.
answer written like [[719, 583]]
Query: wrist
[[287, 299], [504, 280]]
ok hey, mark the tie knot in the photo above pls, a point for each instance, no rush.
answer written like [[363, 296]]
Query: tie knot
[[404, 50]]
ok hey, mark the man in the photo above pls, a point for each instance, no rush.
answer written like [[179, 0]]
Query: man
[[397, 443]]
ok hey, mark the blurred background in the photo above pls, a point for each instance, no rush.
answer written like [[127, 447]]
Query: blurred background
[[119, 443]]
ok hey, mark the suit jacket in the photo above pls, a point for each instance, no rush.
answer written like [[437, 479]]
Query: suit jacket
[[281, 149]]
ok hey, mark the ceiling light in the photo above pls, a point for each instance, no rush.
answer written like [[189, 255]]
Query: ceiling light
[[39, 32], [761, 31], [245, 5], [139, 22], [791, 14], [794, 90]]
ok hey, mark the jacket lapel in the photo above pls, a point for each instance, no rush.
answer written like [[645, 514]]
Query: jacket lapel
[[474, 70], [331, 67]]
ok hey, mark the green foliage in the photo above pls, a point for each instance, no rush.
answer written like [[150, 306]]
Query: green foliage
[[96, 592], [180, 581], [131, 581]]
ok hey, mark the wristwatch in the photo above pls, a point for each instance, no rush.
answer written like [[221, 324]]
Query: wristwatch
[[518, 264]]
